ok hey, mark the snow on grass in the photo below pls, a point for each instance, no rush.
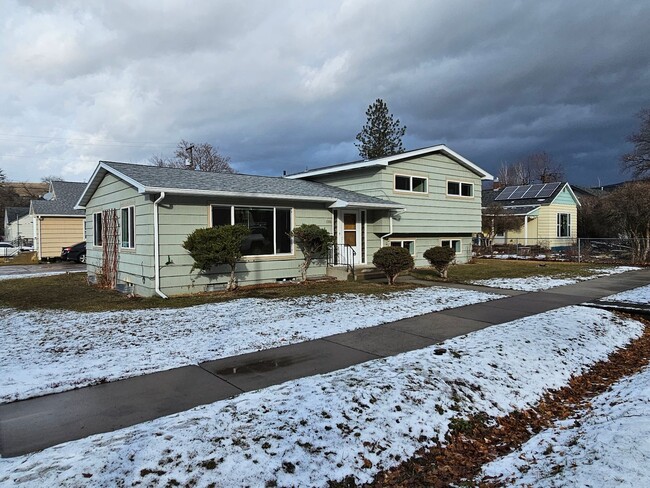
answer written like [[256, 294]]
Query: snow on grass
[[537, 283], [356, 421], [606, 445], [50, 351], [37, 275], [640, 296]]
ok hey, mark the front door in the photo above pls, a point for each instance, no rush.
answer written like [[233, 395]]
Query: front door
[[350, 236]]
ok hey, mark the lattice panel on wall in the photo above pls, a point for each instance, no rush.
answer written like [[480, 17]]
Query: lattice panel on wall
[[110, 246]]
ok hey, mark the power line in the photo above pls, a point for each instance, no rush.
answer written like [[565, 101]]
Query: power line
[[82, 142]]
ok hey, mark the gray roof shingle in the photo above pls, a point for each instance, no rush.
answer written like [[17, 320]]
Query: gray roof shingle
[[14, 213], [152, 179], [65, 197]]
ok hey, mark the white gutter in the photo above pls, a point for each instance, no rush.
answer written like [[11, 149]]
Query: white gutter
[[156, 244]]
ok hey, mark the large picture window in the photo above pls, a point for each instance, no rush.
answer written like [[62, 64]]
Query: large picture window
[[563, 225], [128, 227], [270, 227], [97, 229]]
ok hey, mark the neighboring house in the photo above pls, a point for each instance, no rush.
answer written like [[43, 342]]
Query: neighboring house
[[18, 226], [549, 213], [55, 221], [440, 192], [137, 217]]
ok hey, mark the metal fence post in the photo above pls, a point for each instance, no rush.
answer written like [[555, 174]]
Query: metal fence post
[[578, 249]]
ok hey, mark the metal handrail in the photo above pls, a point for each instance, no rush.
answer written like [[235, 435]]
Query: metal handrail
[[338, 251]]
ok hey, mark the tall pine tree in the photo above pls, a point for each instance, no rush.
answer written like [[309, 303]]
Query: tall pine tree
[[381, 135]]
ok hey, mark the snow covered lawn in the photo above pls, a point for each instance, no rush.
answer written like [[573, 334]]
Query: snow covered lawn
[[607, 445], [356, 421], [537, 283], [640, 296], [50, 351], [37, 275]]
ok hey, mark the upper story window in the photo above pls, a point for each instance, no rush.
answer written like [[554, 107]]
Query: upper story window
[[270, 227], [460, 189], [415, 184], [97, 229], [128, 227]]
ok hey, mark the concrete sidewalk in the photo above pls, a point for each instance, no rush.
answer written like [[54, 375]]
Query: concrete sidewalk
[[37, 423]]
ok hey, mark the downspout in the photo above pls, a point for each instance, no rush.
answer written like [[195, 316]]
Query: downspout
[[390, 231], [390, 227], [156, 244]]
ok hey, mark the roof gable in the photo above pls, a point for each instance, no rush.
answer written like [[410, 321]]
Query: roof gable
[[155, 179], [385, 161], [65, 195]]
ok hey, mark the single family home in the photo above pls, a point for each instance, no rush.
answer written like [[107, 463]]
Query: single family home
[[56, 223], [548, 212], [138, 216], [18, 226]]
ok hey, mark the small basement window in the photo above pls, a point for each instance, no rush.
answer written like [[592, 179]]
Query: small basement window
[[453, 243], [409, 245]]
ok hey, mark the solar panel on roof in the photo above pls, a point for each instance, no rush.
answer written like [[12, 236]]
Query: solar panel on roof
[[506, 192], [547, 190], [532, 190], [518, 194]]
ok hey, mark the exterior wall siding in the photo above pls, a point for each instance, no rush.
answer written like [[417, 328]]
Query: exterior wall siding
[[180, 216], [548, 224], [135, 266], [57, 232], [23, 227]]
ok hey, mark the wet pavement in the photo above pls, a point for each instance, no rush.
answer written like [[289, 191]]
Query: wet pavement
[[37, 423]]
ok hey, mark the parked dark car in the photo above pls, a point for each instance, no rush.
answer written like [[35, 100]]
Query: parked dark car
[[74, 253]]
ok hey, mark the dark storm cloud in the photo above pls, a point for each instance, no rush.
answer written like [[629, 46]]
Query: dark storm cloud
[[284, 86]]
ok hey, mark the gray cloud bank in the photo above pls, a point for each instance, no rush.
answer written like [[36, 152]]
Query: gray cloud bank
[[284, 85]]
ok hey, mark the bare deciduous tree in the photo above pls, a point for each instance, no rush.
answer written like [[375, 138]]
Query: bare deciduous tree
[[203, 157], [638, 161], [496, 220], [627, 211], [536, 167]]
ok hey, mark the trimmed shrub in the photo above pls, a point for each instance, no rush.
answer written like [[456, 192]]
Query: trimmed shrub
[[215, 246], [313, 241], [392, 261], [440, 258]]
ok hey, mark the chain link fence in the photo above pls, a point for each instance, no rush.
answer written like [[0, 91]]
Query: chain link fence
[[589, 250]]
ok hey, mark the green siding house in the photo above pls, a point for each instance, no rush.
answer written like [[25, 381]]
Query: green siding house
[[438, 189], [138, 216]]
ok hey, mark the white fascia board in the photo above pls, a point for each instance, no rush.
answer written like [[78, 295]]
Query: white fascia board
[[95, 179], [397, 157], [44, 216], [575, 198], [380, 206], [213, 193]]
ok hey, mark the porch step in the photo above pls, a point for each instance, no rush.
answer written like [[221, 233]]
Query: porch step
[[369, 274]]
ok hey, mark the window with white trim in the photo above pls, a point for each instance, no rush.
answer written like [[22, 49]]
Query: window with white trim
[[408, 245], [127, 224], [564, 225], [460, 189], [97, 229], [270, 227], [413, 184], [453, 243]]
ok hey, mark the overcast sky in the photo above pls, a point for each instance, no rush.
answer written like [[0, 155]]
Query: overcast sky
[[285, 85]]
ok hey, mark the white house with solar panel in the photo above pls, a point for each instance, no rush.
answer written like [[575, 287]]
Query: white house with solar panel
[[549, 214], [138, 216]]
